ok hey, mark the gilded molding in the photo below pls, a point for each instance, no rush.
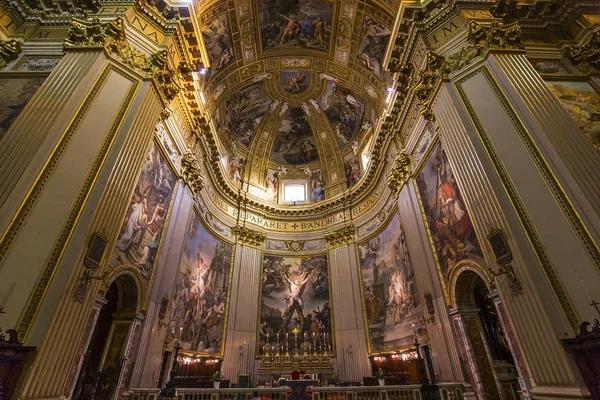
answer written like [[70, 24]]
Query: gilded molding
[[249, 237], [400, 173], [191, 173], [340, 237], [111, 36], [429, 82], [9, 51], [587, 55]]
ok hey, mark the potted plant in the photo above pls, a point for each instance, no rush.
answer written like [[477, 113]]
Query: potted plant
[[379, 375], [216, 378]]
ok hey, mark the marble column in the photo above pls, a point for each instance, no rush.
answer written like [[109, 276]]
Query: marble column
[[242, 319], [348, 317]]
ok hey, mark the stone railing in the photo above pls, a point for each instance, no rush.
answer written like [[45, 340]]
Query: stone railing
[[448, 391]]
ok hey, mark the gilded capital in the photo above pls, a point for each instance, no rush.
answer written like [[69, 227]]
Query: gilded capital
[[9, 51], [164, 76], [249, 237], [496, 36], [400, 173], [340, 237], [588, 55], [94, 33], [191, 173]]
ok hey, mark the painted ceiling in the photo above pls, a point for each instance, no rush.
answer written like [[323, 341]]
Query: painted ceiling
[[295, 83]]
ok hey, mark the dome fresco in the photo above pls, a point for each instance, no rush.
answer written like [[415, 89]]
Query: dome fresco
[[298, 84]]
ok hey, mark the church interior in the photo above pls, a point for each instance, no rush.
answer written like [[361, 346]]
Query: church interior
[[299, 199]]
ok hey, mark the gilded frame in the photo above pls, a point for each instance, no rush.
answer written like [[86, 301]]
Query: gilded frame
[[384, 225], [331, 310], [195, 213]]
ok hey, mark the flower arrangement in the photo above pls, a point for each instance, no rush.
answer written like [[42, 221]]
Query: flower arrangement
[[216, 377], [379, 374]]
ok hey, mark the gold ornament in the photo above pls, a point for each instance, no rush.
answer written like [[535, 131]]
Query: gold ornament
[[249, 237], [191, 173], [9, 51], [340, 237], [400, 173]]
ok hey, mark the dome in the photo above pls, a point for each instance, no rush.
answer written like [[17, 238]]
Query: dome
[[295, 94]]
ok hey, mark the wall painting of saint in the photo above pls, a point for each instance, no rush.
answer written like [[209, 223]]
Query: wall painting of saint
[[447, 217], [201, 291], [392, 302], [146, 216], [295, 314]]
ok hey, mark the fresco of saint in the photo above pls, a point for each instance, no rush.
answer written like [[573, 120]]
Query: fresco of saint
[[392, 303], [373, 43], [201, 289], [345, 111], [295, 311], [217, 39], [244, 111], [144, 223], [295, 143], [447, 217], [295, 24]]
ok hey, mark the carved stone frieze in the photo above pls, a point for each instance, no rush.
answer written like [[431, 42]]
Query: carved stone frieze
[[191, 173], [294, 245], [9, 51], [588, 55], [400, 173], [249, 237], [340, 237]]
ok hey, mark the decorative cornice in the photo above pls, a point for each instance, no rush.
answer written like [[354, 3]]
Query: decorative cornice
[[400, 173], [191, 173], [9, 51], [249, 237], [586, 56], [340, 237], [429, 82]]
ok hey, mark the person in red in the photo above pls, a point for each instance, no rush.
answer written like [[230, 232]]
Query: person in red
[[295, 375]]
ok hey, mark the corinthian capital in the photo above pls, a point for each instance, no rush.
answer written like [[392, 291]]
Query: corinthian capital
[[249, 237], [340, 237]]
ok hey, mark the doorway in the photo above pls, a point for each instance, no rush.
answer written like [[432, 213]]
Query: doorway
[[491, 357], [101, 370]]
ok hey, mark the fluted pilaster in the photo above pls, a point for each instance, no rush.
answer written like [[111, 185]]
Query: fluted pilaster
[[348, 318], [534, 313], [240, 338]]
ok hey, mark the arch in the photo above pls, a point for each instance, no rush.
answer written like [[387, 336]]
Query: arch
[[462, 282], [130, 287]]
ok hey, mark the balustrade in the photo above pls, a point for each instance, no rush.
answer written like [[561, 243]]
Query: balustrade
[[448, 391]]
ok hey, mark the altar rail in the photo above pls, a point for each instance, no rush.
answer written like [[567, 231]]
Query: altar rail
[[448, 391]]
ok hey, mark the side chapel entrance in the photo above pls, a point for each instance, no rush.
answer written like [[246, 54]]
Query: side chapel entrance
[[481, 334], [102, 369]]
